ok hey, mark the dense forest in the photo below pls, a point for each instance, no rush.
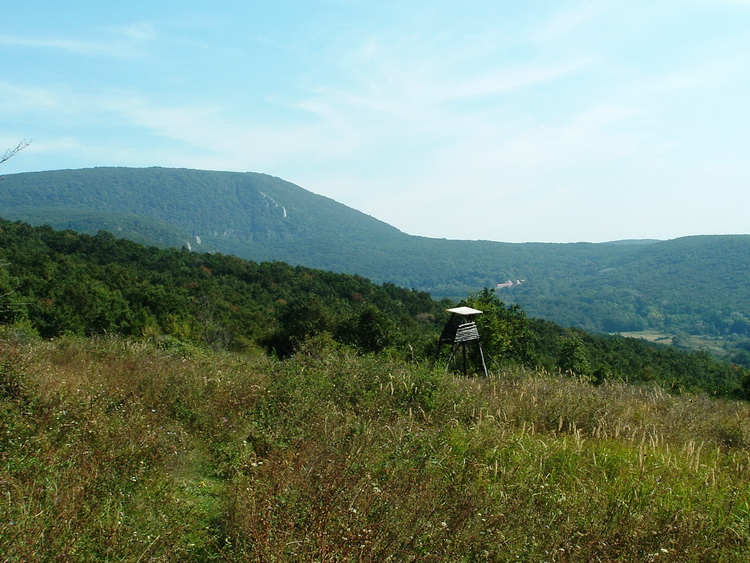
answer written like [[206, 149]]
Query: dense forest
[[687, 286], [691, 284], [54, 283]]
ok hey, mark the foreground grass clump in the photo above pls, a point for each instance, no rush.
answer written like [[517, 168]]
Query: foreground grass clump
[[121, 451], [104, 449]]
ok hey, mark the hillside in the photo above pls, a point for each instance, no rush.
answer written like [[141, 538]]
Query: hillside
[[115, 450], [259, 217], [168, 405], [694, 284], [56, 283], [690, 285], [254, 216]]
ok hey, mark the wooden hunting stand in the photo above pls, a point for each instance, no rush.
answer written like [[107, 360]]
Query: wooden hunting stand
[[460, 330]]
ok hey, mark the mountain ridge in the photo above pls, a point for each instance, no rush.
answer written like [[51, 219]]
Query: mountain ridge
[[611, 286]]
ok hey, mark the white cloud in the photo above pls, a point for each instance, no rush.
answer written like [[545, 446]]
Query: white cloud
[[72, 45], [137, 32], [569, 20], [512, 78], [16, 99], [118, 42]]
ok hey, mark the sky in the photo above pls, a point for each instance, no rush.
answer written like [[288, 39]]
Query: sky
[[504, 120]]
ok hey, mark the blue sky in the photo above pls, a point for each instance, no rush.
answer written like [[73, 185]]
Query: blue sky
[[516, 121]]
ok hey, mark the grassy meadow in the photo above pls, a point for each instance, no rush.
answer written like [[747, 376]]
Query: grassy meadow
[[117, 450]]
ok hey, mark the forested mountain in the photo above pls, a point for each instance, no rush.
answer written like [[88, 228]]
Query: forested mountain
[[694, 285], [253, 216], [55, 283]]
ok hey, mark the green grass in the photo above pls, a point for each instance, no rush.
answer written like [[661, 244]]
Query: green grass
[[119, 451], [716, 345]]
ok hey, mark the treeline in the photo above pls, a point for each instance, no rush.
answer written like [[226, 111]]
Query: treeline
[[62, 282]]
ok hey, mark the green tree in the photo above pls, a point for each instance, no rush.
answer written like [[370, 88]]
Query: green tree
[[370, 330], [298, 320], [573, 359], [504, 330]]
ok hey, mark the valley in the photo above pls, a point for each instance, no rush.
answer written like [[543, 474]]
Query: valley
[[692, 286]]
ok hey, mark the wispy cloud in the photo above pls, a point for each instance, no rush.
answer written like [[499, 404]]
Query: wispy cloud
[[515, 77], [18, 99], [136, 32], [71, 45], [121, 41], [569, 20]]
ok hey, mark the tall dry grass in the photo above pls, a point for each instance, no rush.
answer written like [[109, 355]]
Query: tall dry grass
[[115, 450], [104, 450]]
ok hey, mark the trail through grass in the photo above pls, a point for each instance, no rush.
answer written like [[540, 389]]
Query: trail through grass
[[122, 451]]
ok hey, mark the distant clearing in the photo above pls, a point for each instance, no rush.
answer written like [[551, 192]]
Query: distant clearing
[[689, 341], [650, 335]]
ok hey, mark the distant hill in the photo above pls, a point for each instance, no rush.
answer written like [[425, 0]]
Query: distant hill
[[693, 284], [251, 215], [259, 217]]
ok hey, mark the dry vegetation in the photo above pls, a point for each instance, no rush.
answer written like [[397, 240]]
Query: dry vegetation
[[120, 451]]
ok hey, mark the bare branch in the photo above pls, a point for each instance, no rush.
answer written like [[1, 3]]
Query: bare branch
[[10, 153]]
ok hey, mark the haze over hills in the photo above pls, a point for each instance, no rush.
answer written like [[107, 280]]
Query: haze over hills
[[693, 284]]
